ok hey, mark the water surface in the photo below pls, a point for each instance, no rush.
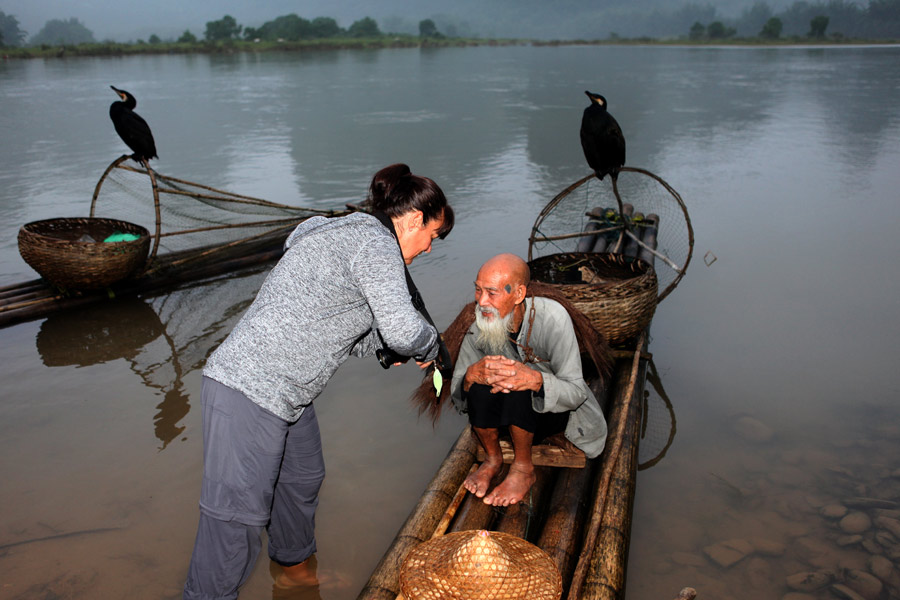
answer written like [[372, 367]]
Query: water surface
[[787, 159]]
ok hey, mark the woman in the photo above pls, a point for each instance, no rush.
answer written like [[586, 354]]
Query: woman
[[339, 289]]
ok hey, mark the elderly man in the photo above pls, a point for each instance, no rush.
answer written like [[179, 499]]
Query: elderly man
[[519, 368]]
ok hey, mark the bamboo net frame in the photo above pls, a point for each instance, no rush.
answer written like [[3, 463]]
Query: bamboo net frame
[[625, 226], [161, 185]]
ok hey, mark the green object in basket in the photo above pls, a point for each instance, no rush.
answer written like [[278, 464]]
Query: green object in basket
[[118, 236]]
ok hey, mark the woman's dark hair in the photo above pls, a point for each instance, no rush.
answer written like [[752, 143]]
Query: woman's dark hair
[[395, 191]]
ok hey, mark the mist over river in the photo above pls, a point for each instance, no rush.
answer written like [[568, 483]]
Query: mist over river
[[777, 350]]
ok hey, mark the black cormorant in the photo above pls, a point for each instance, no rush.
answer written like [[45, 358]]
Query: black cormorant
[[133, 130], [602, 139]]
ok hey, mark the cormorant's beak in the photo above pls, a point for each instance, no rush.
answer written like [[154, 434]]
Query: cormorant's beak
[[118, 91], [595, 98]]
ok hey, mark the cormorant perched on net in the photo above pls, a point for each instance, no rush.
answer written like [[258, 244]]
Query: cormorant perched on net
[[133, 129], [602, 139]]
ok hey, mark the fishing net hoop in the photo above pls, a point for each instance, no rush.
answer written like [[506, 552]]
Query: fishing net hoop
[[625, 228], [288, 216], [653, 422]]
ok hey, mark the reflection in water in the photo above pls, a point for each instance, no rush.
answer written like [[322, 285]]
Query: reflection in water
[[162, 340], [98, 334], [658, 422]]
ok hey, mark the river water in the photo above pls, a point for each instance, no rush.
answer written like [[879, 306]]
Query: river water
[[776, 350]]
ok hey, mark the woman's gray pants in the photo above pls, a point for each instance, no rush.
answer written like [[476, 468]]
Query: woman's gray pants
[[258, 471]]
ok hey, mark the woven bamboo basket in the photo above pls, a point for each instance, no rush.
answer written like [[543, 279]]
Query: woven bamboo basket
[[616, 293], [70, 252]]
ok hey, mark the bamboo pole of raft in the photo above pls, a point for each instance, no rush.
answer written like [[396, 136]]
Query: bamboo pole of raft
[[519, 519], [448, 514], [37, 294], [625, 386], [565, 518], [30, 291], [15, 288], [648, 239], [585, 244], [214, 249], [384, 583], [648, 249], [605, 579], [474, 513], [33, 309], [602, 240], [296, 220], [631, 244]]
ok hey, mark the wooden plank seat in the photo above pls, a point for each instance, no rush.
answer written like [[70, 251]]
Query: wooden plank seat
[[543, 455]]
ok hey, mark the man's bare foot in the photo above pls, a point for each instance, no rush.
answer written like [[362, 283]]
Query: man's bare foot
[[512, 489], [480, 481]]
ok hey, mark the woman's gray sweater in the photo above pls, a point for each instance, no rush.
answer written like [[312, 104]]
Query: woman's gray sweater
[[338, 280]]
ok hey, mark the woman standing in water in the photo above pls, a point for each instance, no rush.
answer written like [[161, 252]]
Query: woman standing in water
[[339, 289]]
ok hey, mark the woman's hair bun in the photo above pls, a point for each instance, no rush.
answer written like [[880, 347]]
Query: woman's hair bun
[[395, 191]]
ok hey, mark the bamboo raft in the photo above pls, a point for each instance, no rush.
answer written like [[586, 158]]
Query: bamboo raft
[[579, 515], [38, 298]]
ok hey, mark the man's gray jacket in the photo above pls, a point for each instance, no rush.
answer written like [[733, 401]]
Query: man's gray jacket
[[553, 341]]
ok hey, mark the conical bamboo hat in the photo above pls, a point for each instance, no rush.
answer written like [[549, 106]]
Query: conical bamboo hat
[[479, 565]]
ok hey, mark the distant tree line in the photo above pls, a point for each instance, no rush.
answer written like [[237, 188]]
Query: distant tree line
[[880, 19], [285, 28], [834, 19], [293, 28]]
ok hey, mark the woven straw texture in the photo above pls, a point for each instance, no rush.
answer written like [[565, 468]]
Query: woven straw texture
[[479, 565], [70, 252], [616, 293]]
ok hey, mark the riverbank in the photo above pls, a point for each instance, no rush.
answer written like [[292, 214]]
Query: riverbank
[[236, 46], [399, 41]]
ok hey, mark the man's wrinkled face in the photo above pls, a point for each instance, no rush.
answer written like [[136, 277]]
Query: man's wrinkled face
[[493, 289]]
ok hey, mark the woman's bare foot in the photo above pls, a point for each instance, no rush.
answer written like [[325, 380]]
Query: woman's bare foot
[[480, 481], [512, 489], [307, 575]]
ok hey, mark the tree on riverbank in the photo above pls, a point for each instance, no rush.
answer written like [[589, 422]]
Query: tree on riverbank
[[60, 32], [10, 34], [772, 29], [817, 26], [294, 28], [365, 27], [427, 29], [225, 28]]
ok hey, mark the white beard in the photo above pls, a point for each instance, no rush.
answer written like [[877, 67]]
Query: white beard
[[493, 332]]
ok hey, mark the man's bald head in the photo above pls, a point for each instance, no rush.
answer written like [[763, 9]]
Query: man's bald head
[[500, 291], [510, 267]]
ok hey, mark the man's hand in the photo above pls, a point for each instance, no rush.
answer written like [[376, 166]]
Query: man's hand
[[503, 375]]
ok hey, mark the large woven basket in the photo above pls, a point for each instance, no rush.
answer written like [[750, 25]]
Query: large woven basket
[[70, 252], [616, 293]]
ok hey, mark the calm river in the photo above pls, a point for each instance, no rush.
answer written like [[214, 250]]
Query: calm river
[[777, 350]]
